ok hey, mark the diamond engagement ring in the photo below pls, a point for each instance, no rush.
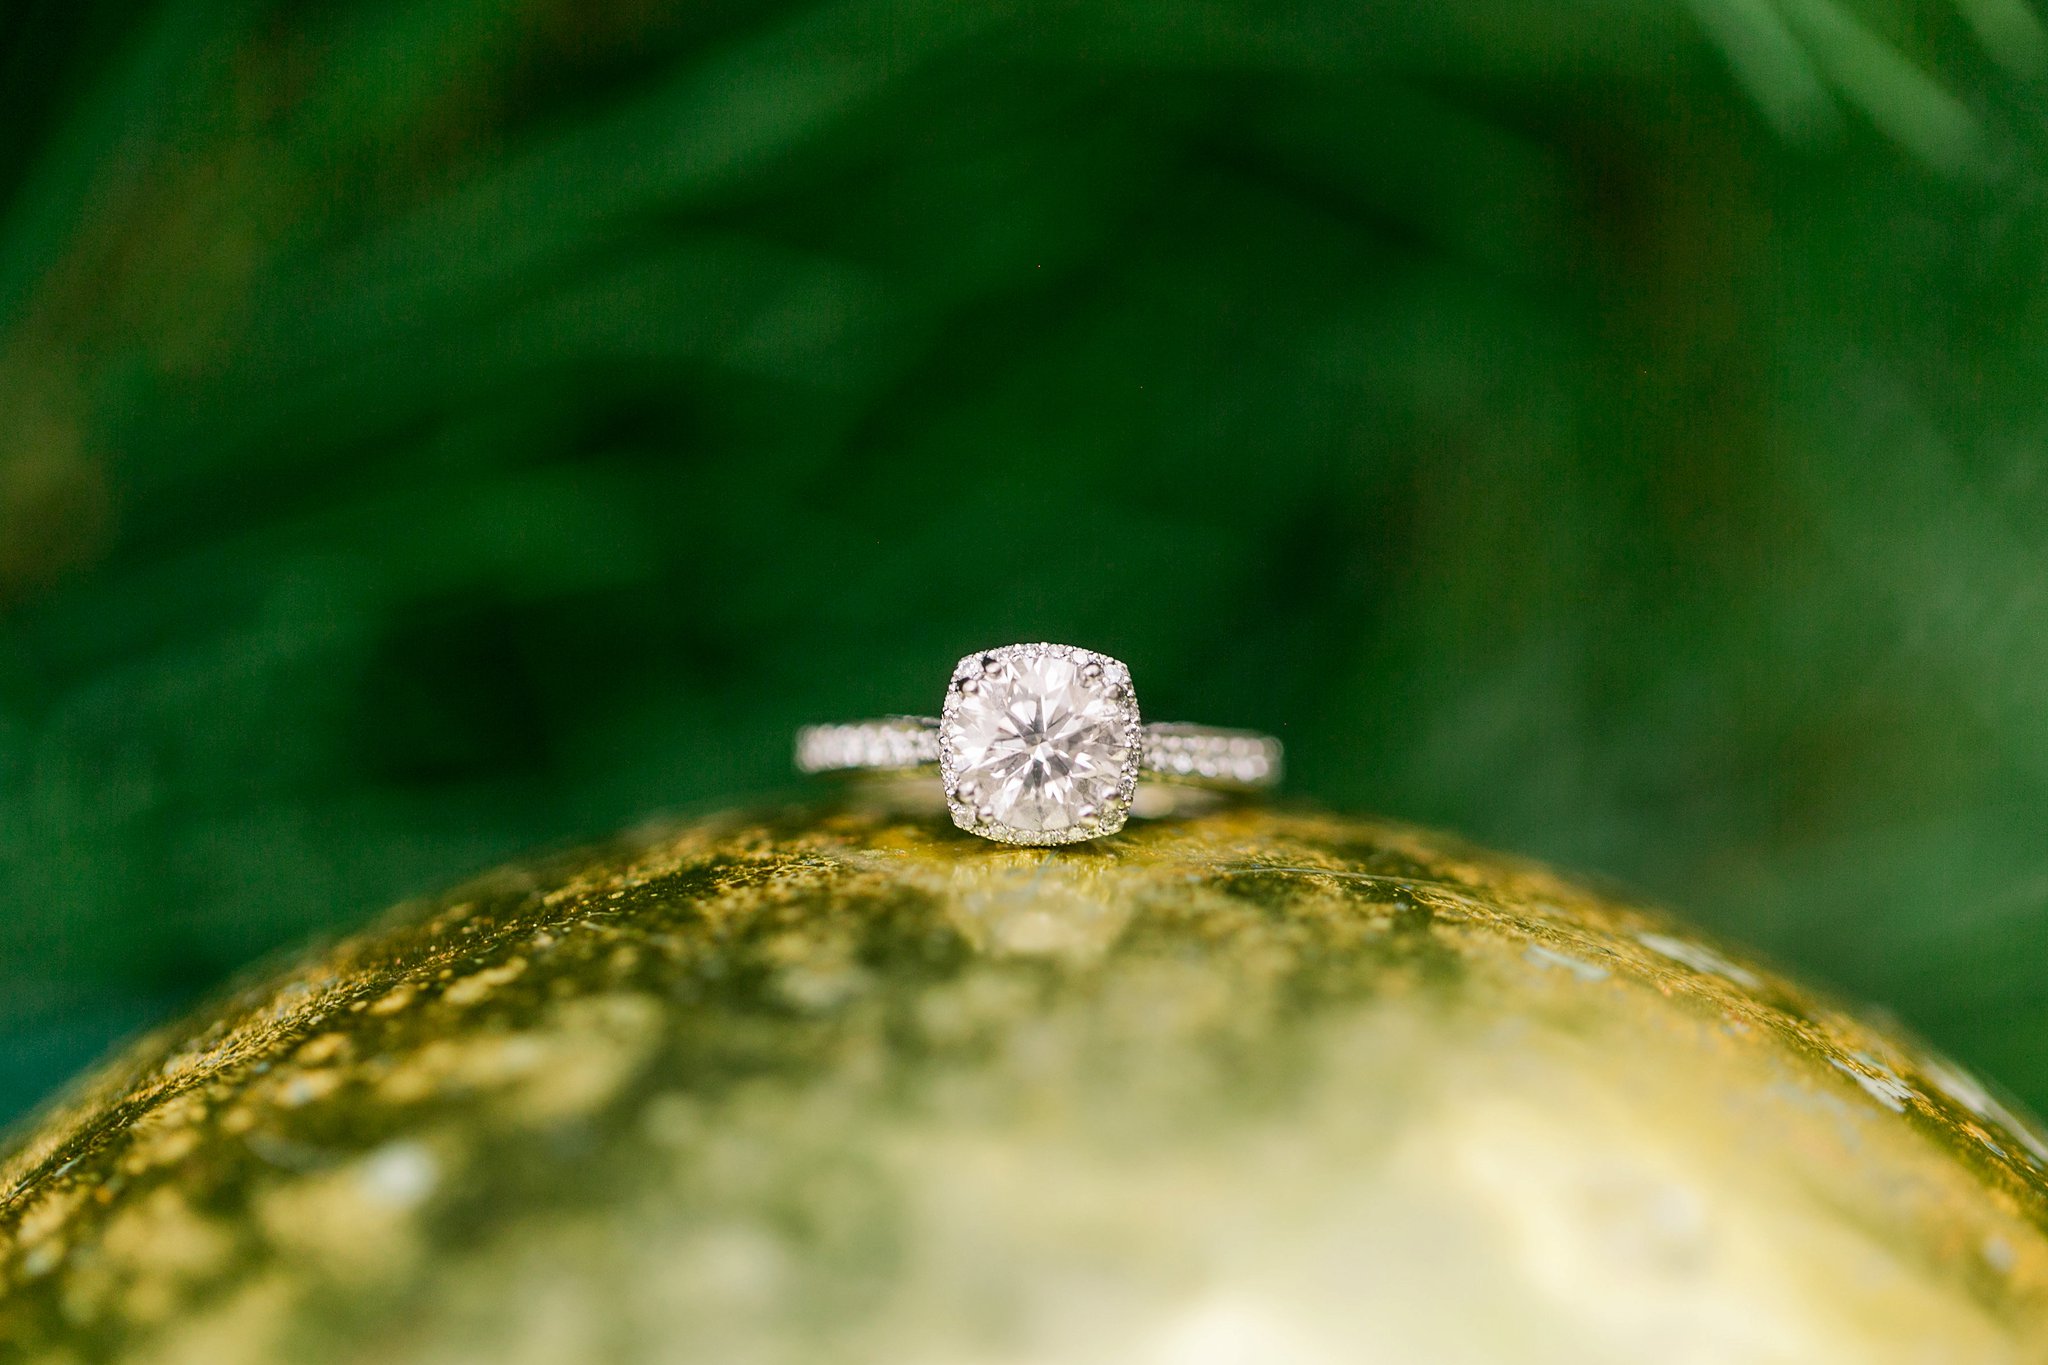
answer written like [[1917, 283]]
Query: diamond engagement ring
[[1042, 744]]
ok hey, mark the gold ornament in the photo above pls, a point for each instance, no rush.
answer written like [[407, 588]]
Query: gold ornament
[[1244, 1089]]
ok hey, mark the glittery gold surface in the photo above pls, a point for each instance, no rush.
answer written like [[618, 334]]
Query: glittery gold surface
[[845, 1085]]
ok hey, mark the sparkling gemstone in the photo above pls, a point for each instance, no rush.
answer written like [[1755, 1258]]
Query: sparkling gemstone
[[1039, 739]]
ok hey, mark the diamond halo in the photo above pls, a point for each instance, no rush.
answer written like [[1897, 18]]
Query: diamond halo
[[1040, 744]]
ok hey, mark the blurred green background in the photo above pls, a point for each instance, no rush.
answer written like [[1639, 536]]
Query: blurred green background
[[431, 429]]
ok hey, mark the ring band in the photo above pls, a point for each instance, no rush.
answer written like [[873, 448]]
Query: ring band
[[1042, 744], [1198, 755]]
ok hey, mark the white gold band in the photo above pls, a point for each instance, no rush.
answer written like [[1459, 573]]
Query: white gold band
[[1201, 755]]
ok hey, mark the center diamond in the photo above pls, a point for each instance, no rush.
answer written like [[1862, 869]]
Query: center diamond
[[1040, 744]]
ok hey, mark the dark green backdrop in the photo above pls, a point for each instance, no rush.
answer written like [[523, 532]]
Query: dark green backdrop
[[1617, 429]]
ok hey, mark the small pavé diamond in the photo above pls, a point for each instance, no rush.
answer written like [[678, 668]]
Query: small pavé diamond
[[1040, 744]]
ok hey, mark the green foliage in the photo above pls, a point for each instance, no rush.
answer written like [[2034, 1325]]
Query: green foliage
[[430, 428]]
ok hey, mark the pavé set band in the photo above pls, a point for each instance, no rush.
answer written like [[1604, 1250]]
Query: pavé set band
[[1042, 744]]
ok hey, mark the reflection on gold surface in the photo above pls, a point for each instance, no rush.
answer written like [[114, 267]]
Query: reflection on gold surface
[[1035, 902], [845, 1085]]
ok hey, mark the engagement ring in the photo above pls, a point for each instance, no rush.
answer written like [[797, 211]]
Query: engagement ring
[[1042, 744]]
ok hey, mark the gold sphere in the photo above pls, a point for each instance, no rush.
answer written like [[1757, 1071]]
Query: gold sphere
[[844, 1085]]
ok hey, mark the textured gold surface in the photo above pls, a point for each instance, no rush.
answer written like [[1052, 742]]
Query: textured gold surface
[[847, 1086]]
